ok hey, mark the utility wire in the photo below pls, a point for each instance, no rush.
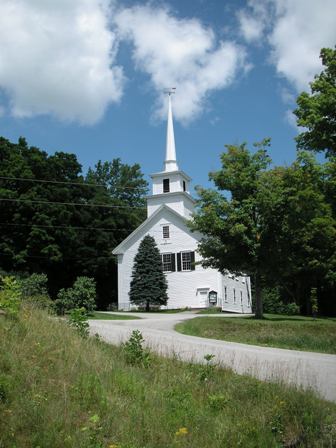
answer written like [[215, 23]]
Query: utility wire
[[71, 203], [48, 258], [87, 184], [77, 227]]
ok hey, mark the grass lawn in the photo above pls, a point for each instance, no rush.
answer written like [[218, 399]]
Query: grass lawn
[[107, 316], [293, 332], [61, 391], [212, 310]]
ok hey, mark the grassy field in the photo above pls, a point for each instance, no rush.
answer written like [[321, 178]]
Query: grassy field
[[212, 310], [107, 316], [59, 390], [293, 332]]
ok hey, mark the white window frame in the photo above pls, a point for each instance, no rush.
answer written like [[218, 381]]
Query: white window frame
[[225, 294], [234, 295], [165, 232], [167, 263], [186, 263]]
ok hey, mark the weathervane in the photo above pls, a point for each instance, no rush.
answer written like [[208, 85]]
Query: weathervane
[[169, 91]]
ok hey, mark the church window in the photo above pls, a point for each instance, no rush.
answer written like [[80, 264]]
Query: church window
[[166, 188], [234, 295], [225, 294], [241, 297], [165, 231], [185, 261], [184, 186], [168, 262]]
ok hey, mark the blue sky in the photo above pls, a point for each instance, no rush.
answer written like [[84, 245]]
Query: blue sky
[[87, 76]]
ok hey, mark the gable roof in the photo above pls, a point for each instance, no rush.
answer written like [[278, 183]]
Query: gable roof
[[120, 248]]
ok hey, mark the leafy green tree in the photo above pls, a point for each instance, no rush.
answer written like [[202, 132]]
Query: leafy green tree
[[148, 284], [81, 295], [317, 111], [42, 233], [308, 234], [236, 233], [273, 224]]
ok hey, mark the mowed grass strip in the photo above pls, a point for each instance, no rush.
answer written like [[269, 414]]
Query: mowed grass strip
[[59, 390], [99, 315], [291, 332]]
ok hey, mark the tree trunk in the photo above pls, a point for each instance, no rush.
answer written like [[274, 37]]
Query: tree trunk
[[147, 305], [259, 304]]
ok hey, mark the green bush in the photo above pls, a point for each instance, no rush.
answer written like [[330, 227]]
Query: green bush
[[273, 304], [10, 295], [81, 295], [78, 320], [134, 352], [40, 301], [34, 285], [291, 309]]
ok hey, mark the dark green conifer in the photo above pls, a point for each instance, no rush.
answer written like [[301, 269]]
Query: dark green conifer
[[149, 284]]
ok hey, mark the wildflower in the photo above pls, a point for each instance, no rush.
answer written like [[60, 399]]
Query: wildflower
[[182, 432], [113, 445]]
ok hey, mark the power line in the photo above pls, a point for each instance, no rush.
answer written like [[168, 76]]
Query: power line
[[63, 258], [87, 184], [78, 227], [62, 227], [71, 203]]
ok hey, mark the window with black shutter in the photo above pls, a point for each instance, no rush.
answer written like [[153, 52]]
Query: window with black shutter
[[186, 261], [166, 185], [166, 262]]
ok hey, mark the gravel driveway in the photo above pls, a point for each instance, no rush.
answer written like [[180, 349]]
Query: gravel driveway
[[310, 370]]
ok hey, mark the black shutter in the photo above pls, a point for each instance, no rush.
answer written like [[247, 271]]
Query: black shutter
[[173, 265], [192, 259], [178, 255]]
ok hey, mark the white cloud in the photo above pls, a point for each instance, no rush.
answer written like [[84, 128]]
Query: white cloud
[[301, 29], [57, 58], [180, 53], [296, 31], [250, 27]]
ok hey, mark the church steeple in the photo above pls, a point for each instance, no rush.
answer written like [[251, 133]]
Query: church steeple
[[170, 161], [171, 186]]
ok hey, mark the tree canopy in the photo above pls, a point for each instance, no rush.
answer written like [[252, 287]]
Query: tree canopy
[[275, 224], [148, 284], [317, 111], [58, 221]]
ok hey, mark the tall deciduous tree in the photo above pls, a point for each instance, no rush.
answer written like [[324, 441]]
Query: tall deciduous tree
[[317, 111], [236, 234], [274, 224], [148, 284], [42, 232]]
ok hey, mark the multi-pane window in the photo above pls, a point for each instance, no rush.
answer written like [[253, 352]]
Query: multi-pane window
[[225, 294], [166, 188], [234, 295], [167, 265], [165, 231], [241, 297], [186, 261]]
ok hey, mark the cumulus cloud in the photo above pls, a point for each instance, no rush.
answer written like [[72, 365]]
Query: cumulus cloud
[[295, 30], [180, 53], [58, 58]]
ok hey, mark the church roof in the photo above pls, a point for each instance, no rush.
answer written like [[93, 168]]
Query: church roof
[[120, 249]]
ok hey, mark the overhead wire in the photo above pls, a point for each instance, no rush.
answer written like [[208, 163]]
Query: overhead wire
[[84, 184], [33, 201]]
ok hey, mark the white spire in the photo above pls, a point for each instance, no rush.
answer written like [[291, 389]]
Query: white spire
[[170, 162]]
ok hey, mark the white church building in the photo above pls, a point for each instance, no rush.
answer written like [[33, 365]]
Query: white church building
[[168, 209]]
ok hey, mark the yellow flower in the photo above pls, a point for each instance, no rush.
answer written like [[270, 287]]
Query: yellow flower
[[113, 445], [182, 432]]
